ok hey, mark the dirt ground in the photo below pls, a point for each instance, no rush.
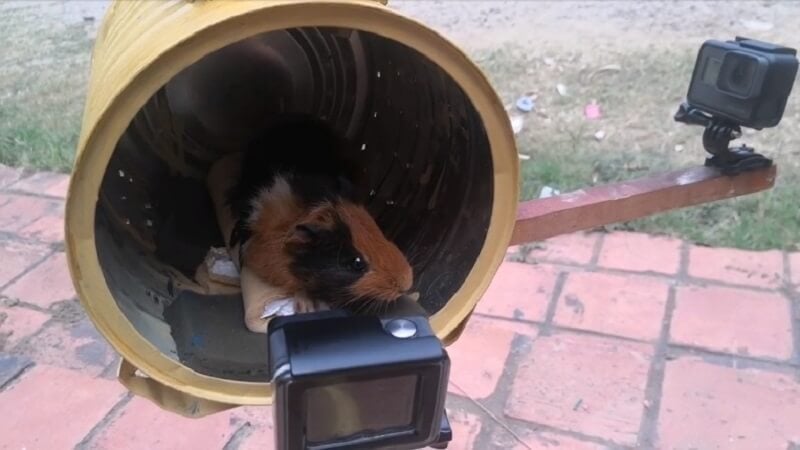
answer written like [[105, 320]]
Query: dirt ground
[[604, 26], [540, 25], [633, 58]]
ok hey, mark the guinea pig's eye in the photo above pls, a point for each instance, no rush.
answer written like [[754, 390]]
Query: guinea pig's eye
[[358, 264]]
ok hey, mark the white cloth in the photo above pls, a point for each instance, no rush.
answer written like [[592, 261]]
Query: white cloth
[[279, 307]]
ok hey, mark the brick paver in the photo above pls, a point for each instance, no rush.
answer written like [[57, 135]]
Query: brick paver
[[17, 257], [43, 183], [466, 428], [552, 441], [141, 424], [51, 407], [479, 357], [760, 269], [257, 423], [641, 253], [19, 211], [18, 323], [75, 346], [587, 384], [46, 284], [736, 321], [599, 373], [621, 305], [48, 228], [576, 248], [706, 405], [520, 291]]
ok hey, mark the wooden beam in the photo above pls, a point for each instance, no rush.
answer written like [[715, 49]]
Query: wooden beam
[[619, 202]]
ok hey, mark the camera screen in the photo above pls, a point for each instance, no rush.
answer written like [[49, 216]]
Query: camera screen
[[711, 71], [345, 409]]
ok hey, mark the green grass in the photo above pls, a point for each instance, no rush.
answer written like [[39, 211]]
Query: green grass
[[28, 141], [639, 96], [43, 75]]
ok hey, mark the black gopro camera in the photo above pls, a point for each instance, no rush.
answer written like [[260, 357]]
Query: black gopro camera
[[744, 81], [344, 381], [735, 84]]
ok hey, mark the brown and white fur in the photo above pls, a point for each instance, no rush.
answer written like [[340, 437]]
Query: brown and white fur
[[301, 229]]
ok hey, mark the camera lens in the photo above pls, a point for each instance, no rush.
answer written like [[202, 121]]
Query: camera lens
[[737, 74]]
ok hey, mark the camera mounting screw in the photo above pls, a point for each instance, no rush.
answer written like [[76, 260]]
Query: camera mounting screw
[[401, 328]]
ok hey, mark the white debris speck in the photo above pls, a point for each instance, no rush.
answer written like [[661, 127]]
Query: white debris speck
[[548, 191], [517, 122]]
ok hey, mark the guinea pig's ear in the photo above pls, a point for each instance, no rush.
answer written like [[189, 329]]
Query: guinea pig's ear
[[303, 233]]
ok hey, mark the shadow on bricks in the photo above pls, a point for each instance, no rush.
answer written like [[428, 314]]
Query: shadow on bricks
[[69, 340]]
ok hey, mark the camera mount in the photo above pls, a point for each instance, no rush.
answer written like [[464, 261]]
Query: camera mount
[[716, 140]]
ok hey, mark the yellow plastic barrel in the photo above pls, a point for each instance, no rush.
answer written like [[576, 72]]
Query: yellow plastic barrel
[[177, 84]]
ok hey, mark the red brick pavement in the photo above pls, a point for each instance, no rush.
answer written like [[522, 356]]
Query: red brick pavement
[[580, 343]]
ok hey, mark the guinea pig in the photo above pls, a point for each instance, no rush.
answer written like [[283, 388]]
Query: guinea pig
[[300, 227]]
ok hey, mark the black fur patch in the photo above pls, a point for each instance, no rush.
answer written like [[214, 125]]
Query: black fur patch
[[325, 264]]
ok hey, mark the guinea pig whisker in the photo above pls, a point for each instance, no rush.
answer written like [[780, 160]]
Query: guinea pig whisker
[[375, 308], [352, 300], [360, 307]]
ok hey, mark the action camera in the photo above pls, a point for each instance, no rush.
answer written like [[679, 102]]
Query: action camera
[[344, 381], [745, 81], [735, 84]]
